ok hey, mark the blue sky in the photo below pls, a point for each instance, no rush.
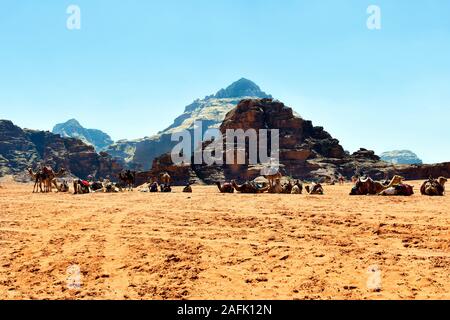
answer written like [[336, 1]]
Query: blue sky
[[135, 64]]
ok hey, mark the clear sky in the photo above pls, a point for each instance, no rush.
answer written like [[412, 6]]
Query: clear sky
[[135, 64]]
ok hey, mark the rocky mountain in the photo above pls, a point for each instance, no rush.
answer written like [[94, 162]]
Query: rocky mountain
[[211, 111], [307, 152], [401, 157], [94, 137], [23, 148]]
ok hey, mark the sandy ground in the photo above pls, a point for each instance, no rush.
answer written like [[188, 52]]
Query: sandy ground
[[208, 245]]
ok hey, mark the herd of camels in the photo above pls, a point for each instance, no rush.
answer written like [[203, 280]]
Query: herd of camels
[[46, 179]]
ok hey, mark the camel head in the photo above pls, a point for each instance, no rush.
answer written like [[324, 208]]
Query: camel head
[[397, 180], [442, 181]]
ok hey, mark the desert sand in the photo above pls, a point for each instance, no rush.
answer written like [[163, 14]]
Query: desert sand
[[208, 245]]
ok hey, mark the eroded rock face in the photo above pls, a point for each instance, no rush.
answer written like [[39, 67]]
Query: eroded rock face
[[306, 152], [22, 148], [139, 154]]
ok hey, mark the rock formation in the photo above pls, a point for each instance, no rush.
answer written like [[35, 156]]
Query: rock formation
[[94, 137], [401, 157], [139, 154], [306, 152], [23, 148]]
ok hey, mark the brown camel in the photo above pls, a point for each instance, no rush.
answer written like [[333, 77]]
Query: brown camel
[[187, 188], [50, 176], [249, 187], [225, 188], [297, 188], [272, 177], [433, 187], [127, 179], [316, 188], [277, 187], [164, 178], [36, 176], [287, 188], [368, 186]]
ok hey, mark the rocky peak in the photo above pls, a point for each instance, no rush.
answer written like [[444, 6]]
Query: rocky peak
[[211, 111], [73, 129], [401, 157], [241, 88]]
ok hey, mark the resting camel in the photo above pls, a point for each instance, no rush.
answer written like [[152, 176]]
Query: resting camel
[[273, 177], [249, 187], [165, 188], [81, 186], [225, 188], [297, 188], [128, 178], [164, 178], [277, 187], [287, 188], [188, 188], [433, 187], [399, 190], [368, 186], [316, 189], [153, 187], [63, 187]]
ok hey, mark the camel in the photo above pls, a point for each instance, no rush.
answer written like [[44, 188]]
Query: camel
[[164, 178], [287, 188], [188, 188], [225, 188], [165, 188], [36, 176], [277, 187], [368, 186], [63, 187], [49, 178], [81, 187], [396, 180], [297, 188], [399, 190], [153, 187], [249, 187], [433, 187], [316, 188], [272, 177], [128, 178]]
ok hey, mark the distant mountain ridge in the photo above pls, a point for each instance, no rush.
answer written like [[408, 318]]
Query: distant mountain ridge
[[94, 137], [401, 157], [211, 111], [24, 148]]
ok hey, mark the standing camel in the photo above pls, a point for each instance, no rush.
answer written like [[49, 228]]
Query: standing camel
[[49, 178], [37, 177]]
